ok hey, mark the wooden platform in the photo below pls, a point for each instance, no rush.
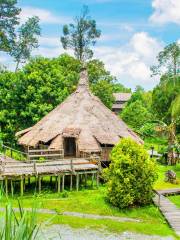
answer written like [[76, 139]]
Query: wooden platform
[[168, 209], [74, 169]]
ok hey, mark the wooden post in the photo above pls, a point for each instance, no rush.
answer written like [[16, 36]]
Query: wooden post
[[59, 183], [92, 180], [39, 183], [71, 182], [77, 181], [35, 168], [85, 179], [29, 181], [97, 179], [6, 186], [12, 188], [72, 167], [50, 180], [21, 186], [63, 179]]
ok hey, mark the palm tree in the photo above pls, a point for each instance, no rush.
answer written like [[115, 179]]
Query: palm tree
[[170, 129]]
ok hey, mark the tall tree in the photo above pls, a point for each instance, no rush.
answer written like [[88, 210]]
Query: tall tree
[[80, 35], [26, 41], [168, 61], [8, 21]]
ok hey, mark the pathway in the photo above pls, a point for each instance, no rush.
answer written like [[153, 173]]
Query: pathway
[[168, 209], [78, 214]]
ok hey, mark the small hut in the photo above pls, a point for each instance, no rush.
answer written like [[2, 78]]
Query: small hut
[[81, 126]]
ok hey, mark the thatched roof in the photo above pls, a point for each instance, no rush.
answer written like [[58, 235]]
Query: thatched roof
[[124, 97], [81, 115]]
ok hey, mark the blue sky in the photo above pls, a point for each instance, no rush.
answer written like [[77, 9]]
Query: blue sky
[[133, 31]]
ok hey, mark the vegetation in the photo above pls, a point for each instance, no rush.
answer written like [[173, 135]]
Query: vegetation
[[26, 41], [8, 21], [130, 176], [42, 84], [151, 220], [17, 41], [79, 36], [18, 226]]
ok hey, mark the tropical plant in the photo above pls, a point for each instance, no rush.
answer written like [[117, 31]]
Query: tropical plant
[[130, 176], [80, 35], [18, 226]]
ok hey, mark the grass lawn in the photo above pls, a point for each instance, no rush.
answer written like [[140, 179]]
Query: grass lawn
[[160, 183], [175, 200], [93, 201]]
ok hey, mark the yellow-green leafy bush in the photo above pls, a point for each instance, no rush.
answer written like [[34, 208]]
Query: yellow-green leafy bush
[[130, 176]]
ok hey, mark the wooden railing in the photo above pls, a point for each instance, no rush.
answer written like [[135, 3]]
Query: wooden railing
[[45, 154], [13, 153]]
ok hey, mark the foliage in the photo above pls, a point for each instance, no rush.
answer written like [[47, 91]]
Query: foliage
[[162, 97], [147, 129], [23, 227], [29, 94], [130, 176], [104, 91], [80, 35], [8, 21], [118, 87], [168, 58], [26, 40], [136, 115]]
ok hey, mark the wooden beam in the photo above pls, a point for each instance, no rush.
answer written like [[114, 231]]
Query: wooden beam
[[22, 186], [59, 184], [12, 188], [71, 182], [97, 179], [77, 182], [63, 180], [6, 186], [39, 184]]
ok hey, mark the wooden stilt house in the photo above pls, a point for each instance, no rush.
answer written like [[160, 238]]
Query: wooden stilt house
[[79, 127]]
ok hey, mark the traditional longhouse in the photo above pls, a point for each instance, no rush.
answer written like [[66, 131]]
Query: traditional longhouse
[[80, 125]]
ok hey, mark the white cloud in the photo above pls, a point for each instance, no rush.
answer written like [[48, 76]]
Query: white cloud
[[131, 62], [44, 15], [166, 11], [50, 41]]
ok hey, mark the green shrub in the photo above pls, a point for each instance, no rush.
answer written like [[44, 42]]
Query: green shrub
[[130, 176]]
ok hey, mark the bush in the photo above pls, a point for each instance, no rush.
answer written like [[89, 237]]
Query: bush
[[130, 176]]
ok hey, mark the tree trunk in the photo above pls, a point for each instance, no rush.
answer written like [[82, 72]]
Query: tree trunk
[[17, 66], [171, 142]]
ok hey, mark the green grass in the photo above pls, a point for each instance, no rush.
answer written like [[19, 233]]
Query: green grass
[[160, 183], [94, 202], [158, 143], [175, 200]]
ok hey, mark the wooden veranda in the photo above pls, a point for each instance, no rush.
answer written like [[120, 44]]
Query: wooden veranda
[[42, 163]]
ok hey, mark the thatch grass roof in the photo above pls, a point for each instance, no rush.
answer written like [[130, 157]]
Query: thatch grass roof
[[81, 115]]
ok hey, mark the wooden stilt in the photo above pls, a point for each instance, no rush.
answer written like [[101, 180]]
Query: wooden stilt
[[77, 182], [63, 179], [71, 182], [85, 176], [97, 179], [39, 183], [6, 186], [29, 181], [92, 183], [59, 184], [12, 188], [50, 179], [21, 186]]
